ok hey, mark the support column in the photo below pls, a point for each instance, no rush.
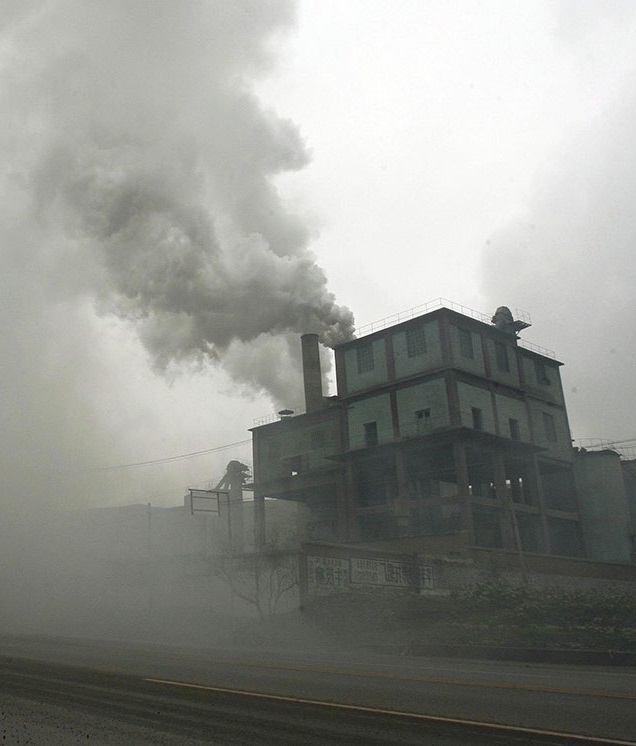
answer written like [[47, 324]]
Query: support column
[[401, 507], [259, 521], [461, 474]]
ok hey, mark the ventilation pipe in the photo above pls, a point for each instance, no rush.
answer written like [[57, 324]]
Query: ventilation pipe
[[312, 375]]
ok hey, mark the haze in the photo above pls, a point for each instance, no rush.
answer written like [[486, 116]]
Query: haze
[[189, 186]]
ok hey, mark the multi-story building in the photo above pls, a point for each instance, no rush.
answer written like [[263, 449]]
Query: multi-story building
[[445, 431]]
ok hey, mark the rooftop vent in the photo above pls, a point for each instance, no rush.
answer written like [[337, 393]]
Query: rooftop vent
[[505, 322]]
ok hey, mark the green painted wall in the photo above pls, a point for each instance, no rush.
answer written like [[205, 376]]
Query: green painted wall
[[473, 396], [430, 395], [373, 409], [431, 359], [474, 364], [509, 408], [549, 388], [510, 376], [358, 381], [562, 447]]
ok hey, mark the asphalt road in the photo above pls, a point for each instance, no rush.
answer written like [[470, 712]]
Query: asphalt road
[[56, 691]]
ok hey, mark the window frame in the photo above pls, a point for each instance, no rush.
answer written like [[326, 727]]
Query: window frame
[[415, 337], [365, 358], [466, 346], [501, 356]]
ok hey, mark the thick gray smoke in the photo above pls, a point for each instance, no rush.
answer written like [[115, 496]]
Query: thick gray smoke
[[144, 164], [137, 179]]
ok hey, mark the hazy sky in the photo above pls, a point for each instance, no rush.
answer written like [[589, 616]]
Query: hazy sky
[[180, 179]]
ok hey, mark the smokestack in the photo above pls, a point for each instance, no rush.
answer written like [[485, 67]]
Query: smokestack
[[312, 375]]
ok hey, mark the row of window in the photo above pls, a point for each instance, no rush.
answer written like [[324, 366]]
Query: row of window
[[416, 347], [421, 415]]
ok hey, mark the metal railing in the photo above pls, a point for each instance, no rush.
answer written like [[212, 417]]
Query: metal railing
[[413, 313], [275, 417], [433, 305]]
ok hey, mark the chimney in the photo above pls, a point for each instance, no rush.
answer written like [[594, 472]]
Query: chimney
[[312, 375]]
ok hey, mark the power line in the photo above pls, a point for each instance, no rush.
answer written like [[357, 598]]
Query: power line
[[169, 459]]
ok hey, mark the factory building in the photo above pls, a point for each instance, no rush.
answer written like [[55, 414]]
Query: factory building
[[447, 433]]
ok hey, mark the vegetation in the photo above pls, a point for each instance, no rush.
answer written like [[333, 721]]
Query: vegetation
[[493, 613]]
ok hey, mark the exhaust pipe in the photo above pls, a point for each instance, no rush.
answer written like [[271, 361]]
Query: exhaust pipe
[[312, 375]]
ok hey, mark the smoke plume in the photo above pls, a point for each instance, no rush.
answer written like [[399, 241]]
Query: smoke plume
[[143, 165], [138, 178]]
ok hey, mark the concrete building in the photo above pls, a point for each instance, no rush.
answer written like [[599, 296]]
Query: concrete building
[[446, 433], [606, 486]]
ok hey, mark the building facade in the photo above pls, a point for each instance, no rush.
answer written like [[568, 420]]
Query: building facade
[[444, 429]]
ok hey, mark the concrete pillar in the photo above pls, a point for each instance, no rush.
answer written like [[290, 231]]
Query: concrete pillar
[[259, 521]]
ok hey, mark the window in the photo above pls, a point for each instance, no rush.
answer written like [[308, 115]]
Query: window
[[539, 369], [423, 414], [364, 355], [370, 433], [501, 354], [415, 341], [514, 429], [478, 418], [549, 427], [422, 420], [317, 439], [295, 465], [466, 343]]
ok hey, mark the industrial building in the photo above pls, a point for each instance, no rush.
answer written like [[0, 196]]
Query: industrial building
[[447, 433]]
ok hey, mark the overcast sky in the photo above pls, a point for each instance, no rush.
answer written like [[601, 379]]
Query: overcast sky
[[182, 179]]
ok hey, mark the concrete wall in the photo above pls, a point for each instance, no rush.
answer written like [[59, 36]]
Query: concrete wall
[[474, 364], [474, 396], [356, 381], [511, 408], [549, 387], [310, 440], [430, 395], [431, 359], [603, 506], [510, 376], [560, 448], [372, 409]]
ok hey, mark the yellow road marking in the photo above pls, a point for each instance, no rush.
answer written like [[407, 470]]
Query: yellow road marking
[[431, 679], [397, 713]]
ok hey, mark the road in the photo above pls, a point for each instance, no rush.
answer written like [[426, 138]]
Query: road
[[66, 691]]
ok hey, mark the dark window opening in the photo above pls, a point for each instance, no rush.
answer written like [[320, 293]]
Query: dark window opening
[[415, 341], [295, 465], [375, 482], [481, 474], [370, 433], [501, 354], [549, 428], [539, 369], [466, 343], [520, 483], [364, 357], [515, 433], [478, 418], [431, 473], [423, 414]]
